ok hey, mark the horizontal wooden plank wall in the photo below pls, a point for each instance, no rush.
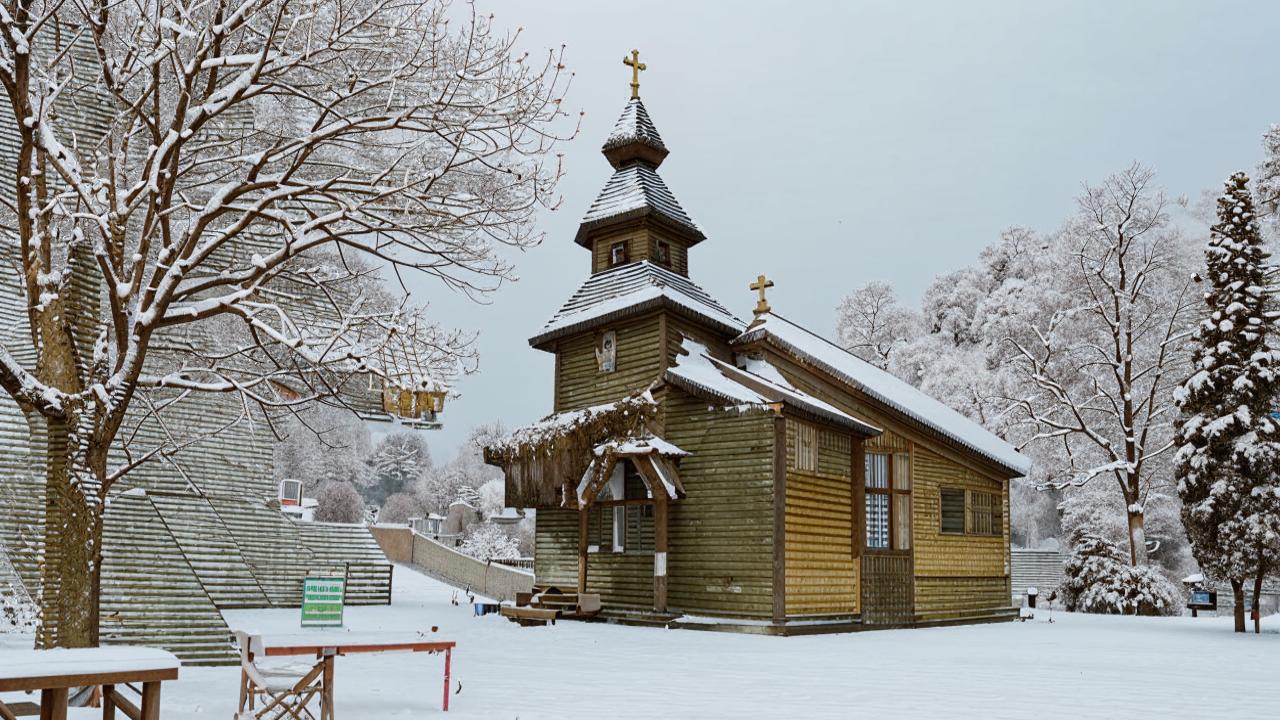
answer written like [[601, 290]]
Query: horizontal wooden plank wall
[[641, 244], [956, 574], [821, 575], [721, 534], [580, 382]]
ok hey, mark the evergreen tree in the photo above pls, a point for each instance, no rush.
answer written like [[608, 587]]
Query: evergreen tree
[[1228, 444]]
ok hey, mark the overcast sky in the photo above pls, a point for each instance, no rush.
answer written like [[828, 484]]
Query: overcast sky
[[829, 144]]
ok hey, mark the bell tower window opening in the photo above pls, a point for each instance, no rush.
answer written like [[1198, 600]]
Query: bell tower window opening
[[663, 253], [617, 254]]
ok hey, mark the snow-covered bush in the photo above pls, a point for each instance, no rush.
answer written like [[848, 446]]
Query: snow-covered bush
[[485, 541], [398, 508], [339, 502], [1101, 580]]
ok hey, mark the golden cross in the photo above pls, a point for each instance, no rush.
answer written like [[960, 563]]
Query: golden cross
[[636, 66], [761, 284]]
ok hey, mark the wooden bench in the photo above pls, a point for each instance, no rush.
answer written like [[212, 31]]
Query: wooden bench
[[55, 672], [530, 615]]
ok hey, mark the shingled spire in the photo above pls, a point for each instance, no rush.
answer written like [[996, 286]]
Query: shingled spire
[[636, 217]]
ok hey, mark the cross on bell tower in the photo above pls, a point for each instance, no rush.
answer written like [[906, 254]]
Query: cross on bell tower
[[636, 66], [760, 285]]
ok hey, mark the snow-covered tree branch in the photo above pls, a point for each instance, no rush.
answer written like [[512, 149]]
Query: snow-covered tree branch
[[251, 167]]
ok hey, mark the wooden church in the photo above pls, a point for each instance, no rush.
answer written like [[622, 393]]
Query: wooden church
[[701, 470]]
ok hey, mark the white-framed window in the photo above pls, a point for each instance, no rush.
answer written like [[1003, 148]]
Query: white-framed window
[[290, 492], [607, 351], [618, 491]]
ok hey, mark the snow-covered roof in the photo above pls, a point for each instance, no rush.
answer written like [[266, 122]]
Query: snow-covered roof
[[640, 446], [886, 388], [631, 289], [562, 422], [634, 125], [636, 189], [756, 384]]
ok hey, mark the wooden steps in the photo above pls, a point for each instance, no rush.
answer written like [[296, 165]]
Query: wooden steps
[[548, 604], [353, 547], [150, 594], [211, 551]]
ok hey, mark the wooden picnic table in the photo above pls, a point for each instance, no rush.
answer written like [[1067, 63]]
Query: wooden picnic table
[[328, 644], [54, 672]]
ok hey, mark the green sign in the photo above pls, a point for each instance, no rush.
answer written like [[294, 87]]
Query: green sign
[[322, 601]]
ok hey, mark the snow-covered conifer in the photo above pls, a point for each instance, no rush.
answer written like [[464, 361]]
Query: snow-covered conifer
[[1228, 443]]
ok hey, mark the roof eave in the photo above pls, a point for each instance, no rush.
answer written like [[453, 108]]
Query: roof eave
[[541, 341], [754, 335], [587, 230]]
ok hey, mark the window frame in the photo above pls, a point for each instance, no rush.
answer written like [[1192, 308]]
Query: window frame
[[618, 253], [607, 360], [994, 516], [806, 447], [970, 509], [891, 492], [964, 510], [662, 253]]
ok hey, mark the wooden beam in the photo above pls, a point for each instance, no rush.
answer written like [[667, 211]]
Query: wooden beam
[[582, 549], [660, 552], [779, 518]]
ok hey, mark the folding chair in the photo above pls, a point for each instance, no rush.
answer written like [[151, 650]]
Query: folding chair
[[286, 690]]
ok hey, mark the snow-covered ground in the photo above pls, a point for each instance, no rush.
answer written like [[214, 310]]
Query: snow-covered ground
[[1078, 666]]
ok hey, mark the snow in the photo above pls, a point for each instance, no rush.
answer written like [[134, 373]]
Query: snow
[[634, 125], [15, 664], [697, 367], [633, 287], [636, 446], [558, 423], [887, 388], [633, 188], [1077, 666]]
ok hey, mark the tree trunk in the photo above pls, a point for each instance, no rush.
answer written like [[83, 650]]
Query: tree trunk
[[1237, 589], [1257, 605], [1137, 537], [72, 548]]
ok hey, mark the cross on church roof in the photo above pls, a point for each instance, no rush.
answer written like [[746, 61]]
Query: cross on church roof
[[761, 284], [636, 66]]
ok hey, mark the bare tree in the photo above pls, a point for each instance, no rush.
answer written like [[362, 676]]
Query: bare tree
[[258, 153], [1101, 362], [872, 325]]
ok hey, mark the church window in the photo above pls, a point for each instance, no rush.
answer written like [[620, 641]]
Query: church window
[[607, 351], [984, 515], [806, 447], [617, 254], [952, 500], [888, 501], [664, 253]]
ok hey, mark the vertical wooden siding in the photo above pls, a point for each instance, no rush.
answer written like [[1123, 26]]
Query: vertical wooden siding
[[821, 575]]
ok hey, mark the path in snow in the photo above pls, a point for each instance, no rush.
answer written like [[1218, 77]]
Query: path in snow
[[1079, 666]]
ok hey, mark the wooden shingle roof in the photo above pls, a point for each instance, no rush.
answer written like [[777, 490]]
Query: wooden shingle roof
[[629, 290]]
